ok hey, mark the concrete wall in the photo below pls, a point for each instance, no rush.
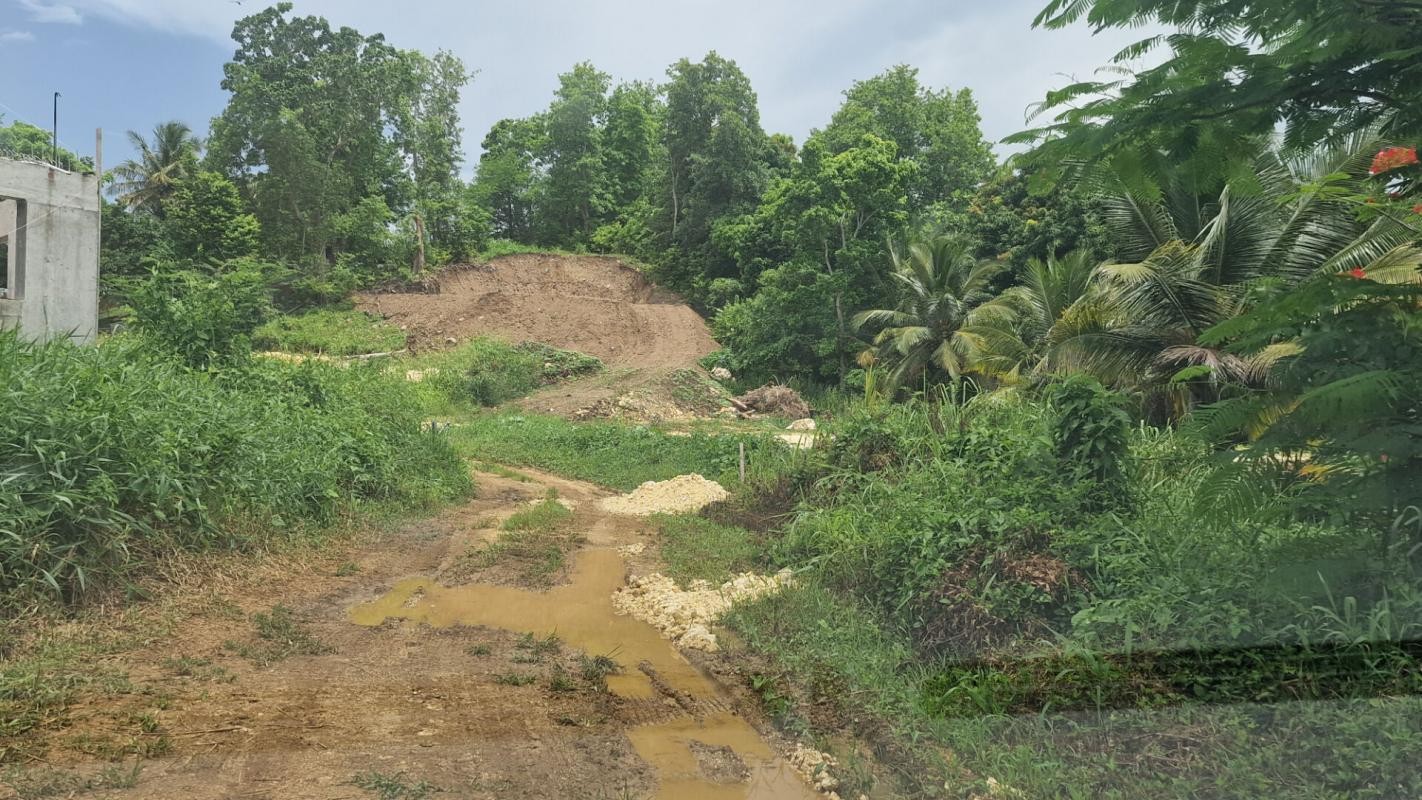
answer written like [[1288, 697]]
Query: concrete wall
[[53, 287]]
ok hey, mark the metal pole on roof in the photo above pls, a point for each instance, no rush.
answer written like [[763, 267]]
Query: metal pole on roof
[[54, 142]]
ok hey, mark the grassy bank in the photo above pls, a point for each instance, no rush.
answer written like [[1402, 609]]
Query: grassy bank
[[334, 332], [972, 607], [610, 453], [119, 454]]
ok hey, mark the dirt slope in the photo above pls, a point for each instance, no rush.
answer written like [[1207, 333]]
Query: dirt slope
[[593, 304], [412, 680]]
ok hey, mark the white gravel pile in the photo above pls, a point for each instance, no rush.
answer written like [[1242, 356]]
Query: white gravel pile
[[818, 770], [685, 615], [680, 494]]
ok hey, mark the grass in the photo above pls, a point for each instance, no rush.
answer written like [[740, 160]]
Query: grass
[[34, 784], [514, 679], [960, 594], [595, 669], [610, 453], [560, 681], [122, 455], [534, 543], [281, 635], [329, 331], [501, 471], [487, 371], [393, 787], [697, 548], [546, 516]]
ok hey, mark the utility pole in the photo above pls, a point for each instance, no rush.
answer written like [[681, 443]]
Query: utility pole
[[54, 142]]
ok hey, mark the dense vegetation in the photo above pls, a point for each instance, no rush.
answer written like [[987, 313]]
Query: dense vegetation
[[123, 452], [1124, 445]]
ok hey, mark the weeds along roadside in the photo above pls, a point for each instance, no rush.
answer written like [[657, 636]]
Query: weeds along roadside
[[120, 454], [963, 588]]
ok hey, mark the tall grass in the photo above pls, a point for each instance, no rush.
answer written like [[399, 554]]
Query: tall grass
[[114, 453], [331, 331], [615, 454]]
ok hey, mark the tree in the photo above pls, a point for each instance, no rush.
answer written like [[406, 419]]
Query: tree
[[505, 181], [715, 154], [146, 183], [324, 125], [429, 134], [1236, 70], [629, 142], [832, 214], [1341, 400], [1017, 225], [1193, 262], [576, 190], [937, 130], [947, 319], [207, 221], [24, 141]]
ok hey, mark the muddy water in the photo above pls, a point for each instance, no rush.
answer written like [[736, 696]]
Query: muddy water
[[581, 613]]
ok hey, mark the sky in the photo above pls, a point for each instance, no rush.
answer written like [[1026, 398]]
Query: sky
[[128, 64]]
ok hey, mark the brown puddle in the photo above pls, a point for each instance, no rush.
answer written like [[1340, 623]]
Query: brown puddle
[[581, 613]]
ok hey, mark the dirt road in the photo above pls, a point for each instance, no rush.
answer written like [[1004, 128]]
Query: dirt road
[[399, 673]]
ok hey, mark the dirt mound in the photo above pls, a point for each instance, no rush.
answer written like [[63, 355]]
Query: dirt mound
[[592, 304]]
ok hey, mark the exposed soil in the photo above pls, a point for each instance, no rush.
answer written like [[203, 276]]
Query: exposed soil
[[593, 304], [475, 689]]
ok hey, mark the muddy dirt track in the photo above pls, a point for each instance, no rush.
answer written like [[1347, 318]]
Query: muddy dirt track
[[593, 304], [424, 674]]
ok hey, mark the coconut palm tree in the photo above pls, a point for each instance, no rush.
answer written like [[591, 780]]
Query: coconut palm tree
[[948, 318], [1191, 262], [145, 182]]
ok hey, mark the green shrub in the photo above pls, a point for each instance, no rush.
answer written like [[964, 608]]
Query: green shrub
[[488, 372], [337, 333], [119, 452], [1091, 433], [202, 319]]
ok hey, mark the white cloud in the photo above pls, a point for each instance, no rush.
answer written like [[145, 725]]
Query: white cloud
[[799, 56], [16, 36], [61, 13]]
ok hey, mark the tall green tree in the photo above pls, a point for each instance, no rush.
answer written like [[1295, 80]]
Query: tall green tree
[[208, 222], [430, 136], [630, 142], [947, 320], [145, 183], [25, 141], [829, 220], [506, 180], [324, 125], [576, 189], [937, 130], [716, 159]]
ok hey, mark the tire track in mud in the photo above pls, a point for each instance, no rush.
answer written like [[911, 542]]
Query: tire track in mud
[[673, 709]]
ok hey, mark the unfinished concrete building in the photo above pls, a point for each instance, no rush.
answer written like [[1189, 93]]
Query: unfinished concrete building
[[49, 251]]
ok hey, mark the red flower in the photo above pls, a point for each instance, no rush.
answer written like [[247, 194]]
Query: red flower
[[1392, 158], [1417, 209], [1358, 272]]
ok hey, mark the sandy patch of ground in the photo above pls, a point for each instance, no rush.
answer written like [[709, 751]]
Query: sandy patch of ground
[[686, 615], [681, 494]]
